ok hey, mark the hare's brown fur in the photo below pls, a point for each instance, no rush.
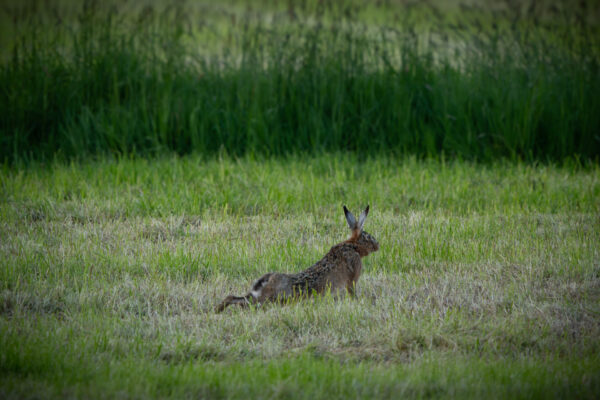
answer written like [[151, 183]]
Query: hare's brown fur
[[337, 271]]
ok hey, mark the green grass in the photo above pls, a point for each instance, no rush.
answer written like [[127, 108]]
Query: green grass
[[471, 131], [101, 80], [487, 283]]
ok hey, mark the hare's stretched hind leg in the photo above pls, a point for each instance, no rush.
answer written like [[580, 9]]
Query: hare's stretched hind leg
[[242, 301], [253, 297]]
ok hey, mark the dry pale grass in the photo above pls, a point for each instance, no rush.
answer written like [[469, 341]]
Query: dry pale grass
[[159, 279]]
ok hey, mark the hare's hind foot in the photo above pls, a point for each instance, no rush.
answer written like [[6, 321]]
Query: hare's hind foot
[[254, 297], [242, 301]]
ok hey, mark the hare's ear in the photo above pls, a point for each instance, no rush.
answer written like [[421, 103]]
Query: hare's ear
[[350, 219], [362, 218]]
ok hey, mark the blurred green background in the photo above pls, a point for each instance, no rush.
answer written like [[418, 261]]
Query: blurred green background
[[476, 80]]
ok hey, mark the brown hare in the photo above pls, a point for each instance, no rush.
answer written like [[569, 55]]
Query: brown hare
[[338, 270]]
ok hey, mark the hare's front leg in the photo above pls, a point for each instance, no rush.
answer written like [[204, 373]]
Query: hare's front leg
[[351, 288]]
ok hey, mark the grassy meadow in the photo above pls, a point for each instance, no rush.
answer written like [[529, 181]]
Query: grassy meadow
[[158, 156], [486, 284]]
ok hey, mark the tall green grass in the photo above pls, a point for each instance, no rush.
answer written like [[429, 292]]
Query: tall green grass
[[486, 284], [507, 85]]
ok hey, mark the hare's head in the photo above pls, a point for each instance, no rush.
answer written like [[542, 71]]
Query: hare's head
[[366, 243]]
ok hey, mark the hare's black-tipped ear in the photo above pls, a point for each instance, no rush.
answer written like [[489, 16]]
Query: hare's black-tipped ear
[[350, 219], [362, 218]]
